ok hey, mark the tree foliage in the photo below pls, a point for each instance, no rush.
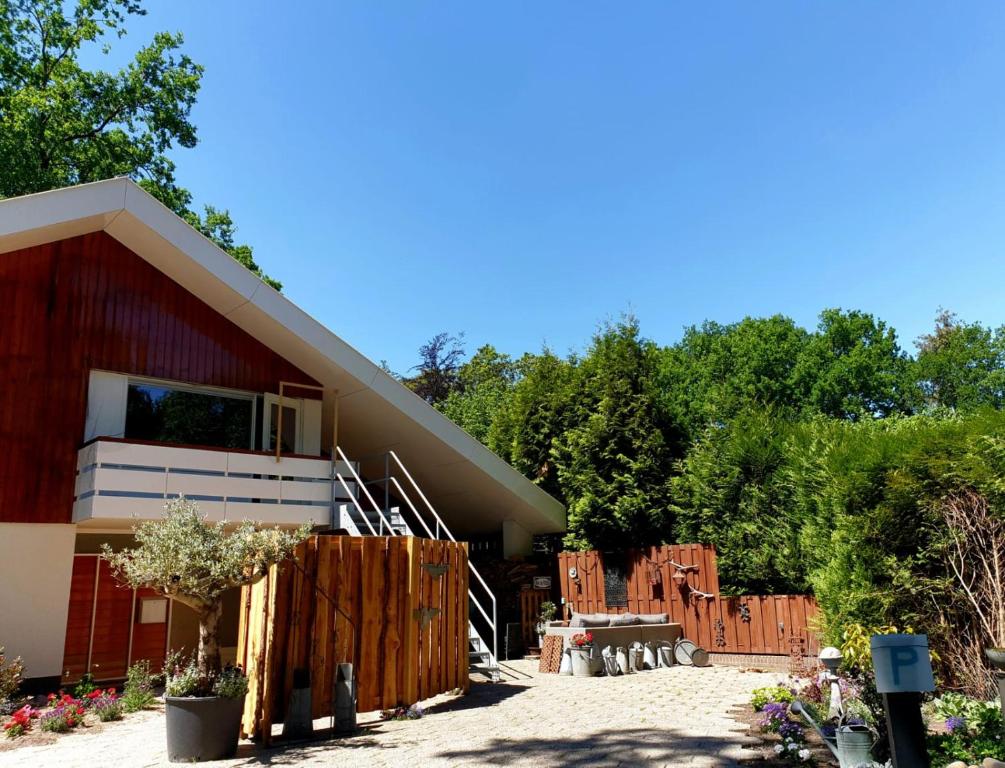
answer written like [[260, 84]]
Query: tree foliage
[[814, 460], [63, 124]]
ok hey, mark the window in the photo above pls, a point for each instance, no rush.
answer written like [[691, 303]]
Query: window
[[167, 413]]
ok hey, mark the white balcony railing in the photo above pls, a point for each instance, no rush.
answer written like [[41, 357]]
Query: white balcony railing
[[123, 481]]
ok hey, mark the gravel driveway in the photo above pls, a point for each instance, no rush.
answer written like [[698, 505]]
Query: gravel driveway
[[667, 717]]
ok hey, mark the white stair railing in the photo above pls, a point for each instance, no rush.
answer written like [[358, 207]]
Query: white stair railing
[[362, 486]]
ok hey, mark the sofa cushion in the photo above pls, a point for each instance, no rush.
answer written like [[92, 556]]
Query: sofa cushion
[[624, 620], [585, 620], [653, 618]]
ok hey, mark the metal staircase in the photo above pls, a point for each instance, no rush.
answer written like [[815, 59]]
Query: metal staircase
[[362, 515]]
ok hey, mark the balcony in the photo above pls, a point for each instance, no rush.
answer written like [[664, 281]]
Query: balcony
[[120, 482]]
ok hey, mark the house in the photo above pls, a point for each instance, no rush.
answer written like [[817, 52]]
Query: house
[[138, 362]]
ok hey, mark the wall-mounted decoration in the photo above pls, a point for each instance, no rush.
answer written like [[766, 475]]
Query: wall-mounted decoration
[[424, 615], [744, 610], [435, 570], [542, 582]]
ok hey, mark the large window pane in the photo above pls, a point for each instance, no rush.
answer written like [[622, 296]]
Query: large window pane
[[187, 418]]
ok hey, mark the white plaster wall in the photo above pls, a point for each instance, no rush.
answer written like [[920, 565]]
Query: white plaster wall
[[517, 540], [36, 563]]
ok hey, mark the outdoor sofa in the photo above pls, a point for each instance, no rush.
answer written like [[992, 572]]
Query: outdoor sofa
[[617, 629]]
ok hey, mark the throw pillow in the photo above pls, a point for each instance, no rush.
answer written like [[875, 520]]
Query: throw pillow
[[624, 620], [653, 618]]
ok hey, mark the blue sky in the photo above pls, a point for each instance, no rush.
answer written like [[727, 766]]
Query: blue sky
[[522, 171]]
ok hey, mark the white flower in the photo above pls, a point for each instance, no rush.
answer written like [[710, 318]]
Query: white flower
[[792, 747], [779, 749], [804, 754]]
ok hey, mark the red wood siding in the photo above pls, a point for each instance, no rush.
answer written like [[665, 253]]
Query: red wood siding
[[115, 611], [769, 625], [78, 621], [89, 302]]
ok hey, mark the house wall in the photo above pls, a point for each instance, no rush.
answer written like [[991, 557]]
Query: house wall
[[89, 302], [37, 561]]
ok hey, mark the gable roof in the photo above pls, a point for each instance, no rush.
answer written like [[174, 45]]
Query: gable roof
[[470, 486]]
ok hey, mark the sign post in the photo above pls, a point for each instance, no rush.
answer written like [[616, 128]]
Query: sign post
[[903, 669]]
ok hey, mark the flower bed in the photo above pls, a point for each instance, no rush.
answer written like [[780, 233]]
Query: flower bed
[[87, 706]]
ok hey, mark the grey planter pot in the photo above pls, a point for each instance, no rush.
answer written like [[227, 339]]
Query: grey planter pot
[[581, 666], [202, 729]]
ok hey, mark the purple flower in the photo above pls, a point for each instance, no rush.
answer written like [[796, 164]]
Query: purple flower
[[954, 724], [791, 730]]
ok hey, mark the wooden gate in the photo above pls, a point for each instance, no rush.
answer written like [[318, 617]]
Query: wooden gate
[[396, 607], [746, 624], [530, 611]]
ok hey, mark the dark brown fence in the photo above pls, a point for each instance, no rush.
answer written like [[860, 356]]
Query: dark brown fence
[[397, 607], [771, 624]]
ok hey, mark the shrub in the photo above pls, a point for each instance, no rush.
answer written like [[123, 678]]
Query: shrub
[[776, 714], [64, 712], [11, 675], [85, 686], [182, 678], [20, 722], [138, 692], [547, 611], [776, 693], [231, 684], [973, 730], [107, 706]]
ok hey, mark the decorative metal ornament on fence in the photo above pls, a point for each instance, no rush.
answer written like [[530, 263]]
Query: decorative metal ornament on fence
[[435, 570], [744, 611], [424, 615], [720, 633]]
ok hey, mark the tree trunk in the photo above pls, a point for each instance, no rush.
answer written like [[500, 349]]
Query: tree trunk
[[209, 641]]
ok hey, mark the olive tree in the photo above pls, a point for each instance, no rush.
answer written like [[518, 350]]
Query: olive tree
[[194, 562]]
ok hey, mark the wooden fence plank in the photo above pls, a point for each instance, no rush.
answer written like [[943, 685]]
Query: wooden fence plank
[[411, 648], [450, 622]]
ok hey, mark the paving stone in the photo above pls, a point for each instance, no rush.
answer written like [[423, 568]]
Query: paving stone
[[667, 717]]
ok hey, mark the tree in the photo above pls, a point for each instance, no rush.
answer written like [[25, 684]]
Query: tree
[[533, 416], [62, 124], [612, 461], [961, 365], [731, 492], [718, 371], [438, 370], [852, 367], [483, 385], [195, 563]]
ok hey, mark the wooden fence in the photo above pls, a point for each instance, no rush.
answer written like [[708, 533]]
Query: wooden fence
[[396, 607], [771, 624]]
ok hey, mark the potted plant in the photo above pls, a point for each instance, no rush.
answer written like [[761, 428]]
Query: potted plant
[[581, 646], [195, 563], [545, 615]]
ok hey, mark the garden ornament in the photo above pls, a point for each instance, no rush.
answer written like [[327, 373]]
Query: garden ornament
[[831, 658], [622, 657], [610, 662]]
